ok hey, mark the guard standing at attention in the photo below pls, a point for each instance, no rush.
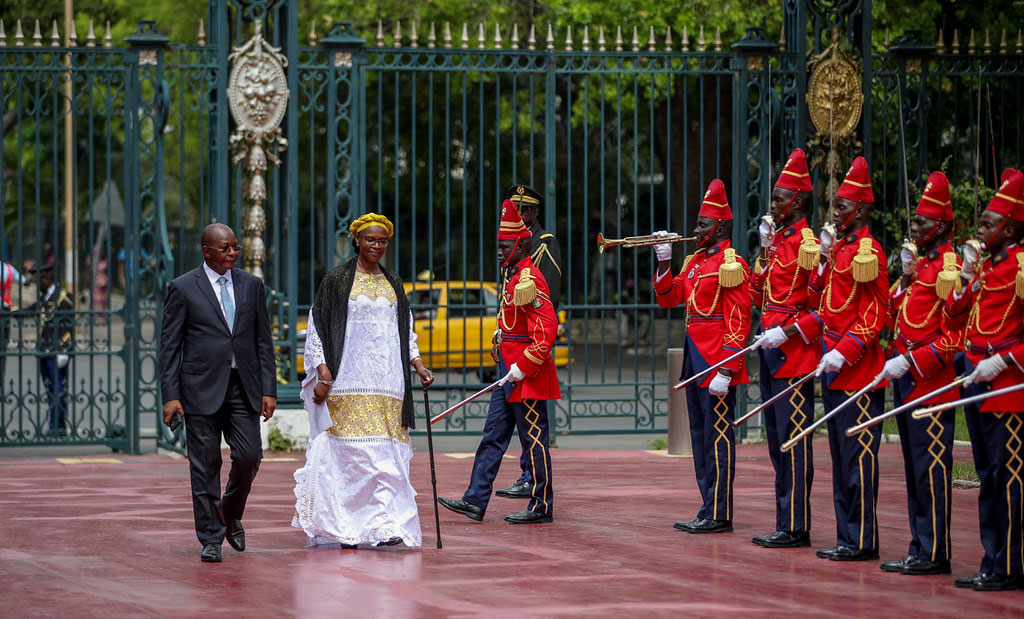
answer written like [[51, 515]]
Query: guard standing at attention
[[714, 285], [923, 362], [850, 287], [789, 252], [547, 256], [527, 322], [991, 308]]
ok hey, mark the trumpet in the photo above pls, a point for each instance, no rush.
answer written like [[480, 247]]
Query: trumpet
[[640, 241]]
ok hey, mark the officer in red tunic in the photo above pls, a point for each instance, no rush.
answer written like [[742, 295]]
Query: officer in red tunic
[[528, 325], [922, 363], [714, 285], [789, 252], [850, 288], [991, 309]]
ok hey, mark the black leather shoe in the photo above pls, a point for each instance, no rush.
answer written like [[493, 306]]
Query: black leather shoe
[[897, 566], [826, 553], [996, 582], [924, 567], [783, 539], [518, 490], [394, 541], [528, 517], [711, 526], [236, 534], [845, 553], [965, 582], [211, 553], [466, 509], [685, 526]]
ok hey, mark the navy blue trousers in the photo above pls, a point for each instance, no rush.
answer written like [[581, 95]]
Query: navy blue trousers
[[794, 469], [999, 459], [55, 380], [854, 467], [530, 418], [713, 442], [927, 446]]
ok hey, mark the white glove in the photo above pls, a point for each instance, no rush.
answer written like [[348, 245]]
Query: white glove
[[972, 253], [62, 361], [772, 338], [833, 361], [663, 251], [719, 384], [895, 367], [827, 237], [987, 369], [907, 259], [766, 230], [514, 375]]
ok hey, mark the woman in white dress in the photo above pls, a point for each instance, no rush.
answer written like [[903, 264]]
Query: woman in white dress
[[360, 345]]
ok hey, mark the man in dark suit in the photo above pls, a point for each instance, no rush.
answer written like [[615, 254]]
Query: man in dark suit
[[217, 370]]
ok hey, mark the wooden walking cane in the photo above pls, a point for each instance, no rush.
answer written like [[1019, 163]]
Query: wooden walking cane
[[433, 474]]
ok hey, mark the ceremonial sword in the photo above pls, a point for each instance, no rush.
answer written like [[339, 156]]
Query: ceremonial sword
[[924, 412], [466, 401], [899, 409], [704, 373], [775, 398], [788, 445]]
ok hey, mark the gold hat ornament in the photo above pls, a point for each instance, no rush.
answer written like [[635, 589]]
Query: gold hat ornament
[[865, 263], [948, 278], [810, 250]]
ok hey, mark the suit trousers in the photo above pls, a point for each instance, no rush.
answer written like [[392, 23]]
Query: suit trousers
[[55, 379], [240, 426], [530, 418], [927, 446], [854, 467], [794, 469]]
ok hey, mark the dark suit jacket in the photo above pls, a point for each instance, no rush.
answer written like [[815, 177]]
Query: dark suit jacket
[[196, 347]]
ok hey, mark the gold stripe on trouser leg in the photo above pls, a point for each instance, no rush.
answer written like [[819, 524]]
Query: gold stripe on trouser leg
[[799, 417], [721, 426], [532, 416], [1013, 466], [863, 402], [936, 450]]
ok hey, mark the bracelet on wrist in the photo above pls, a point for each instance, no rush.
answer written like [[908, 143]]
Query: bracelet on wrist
[[325, 382]]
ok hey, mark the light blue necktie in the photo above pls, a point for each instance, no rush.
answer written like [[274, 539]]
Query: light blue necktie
[[229, 305]]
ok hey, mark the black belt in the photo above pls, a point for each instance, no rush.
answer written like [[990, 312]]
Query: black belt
[[990, 348], [910, 344]]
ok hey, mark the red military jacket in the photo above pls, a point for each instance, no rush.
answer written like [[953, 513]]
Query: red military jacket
[[528, 332], [780, 288], [992, 316], [850, 314], [922, 330], [717, 314]]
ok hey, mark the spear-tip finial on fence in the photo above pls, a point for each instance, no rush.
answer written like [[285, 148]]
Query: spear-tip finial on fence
[[431, 36], [972, 48], [447, 35], [701, 43], [1002, 43], [718, 39], [514, 42], [601, 43], [398, 34], [19, 37], [956, 42], [668, 39], [885, 42], [37, 38], [73, 36], [586, 38], [636, 40], [465, 35], [3, 35], [480, 38], [90, 37], [686, 40], [651, 45], [782, 39], [1020, 43], [414, 38], [618, 38], [380, 33], [108, 39], [940, 44], [988, 42], [202, 32], [497, 36], [531, 41], [551, 39], [568, 39]]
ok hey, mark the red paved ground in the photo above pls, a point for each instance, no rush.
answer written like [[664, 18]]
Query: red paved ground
[[110, 539]]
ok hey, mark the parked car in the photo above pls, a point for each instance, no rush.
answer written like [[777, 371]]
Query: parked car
[[454, 321]]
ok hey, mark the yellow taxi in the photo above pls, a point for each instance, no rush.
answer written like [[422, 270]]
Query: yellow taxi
[[454, 321]]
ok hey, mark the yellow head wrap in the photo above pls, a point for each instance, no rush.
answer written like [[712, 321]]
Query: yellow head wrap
[[371, 219]]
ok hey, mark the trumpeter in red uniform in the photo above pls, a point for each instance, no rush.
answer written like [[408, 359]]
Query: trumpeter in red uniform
[[990, 307], [789, 252], [713, 284], [850, 288], [922, 363], [528, 325]]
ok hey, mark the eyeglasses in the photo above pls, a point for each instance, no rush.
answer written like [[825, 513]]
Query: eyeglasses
[[376, 242], [225, 249]]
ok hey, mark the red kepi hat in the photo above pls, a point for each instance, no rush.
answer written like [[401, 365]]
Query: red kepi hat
[[935, 202], [511, 227], [1009, 199], [715, 204], [857, 184], [794, 175]]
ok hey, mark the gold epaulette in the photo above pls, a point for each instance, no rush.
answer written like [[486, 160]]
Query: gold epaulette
[[525, 291], [948, 278], [730, 273], [688, 260], [865, 263], [810, 250], [1020, 276]]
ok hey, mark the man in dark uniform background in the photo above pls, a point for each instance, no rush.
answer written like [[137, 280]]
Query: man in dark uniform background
[[56, 325]]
